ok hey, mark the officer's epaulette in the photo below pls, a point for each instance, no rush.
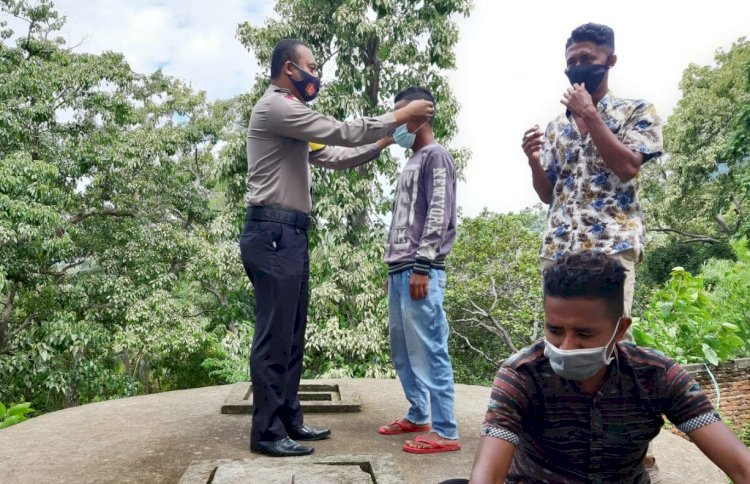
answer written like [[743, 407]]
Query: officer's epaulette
[[287, 93]]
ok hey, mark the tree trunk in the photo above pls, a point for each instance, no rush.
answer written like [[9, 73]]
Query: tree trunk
[[361, 218], [5, 318], [126, 361], [144, 370], [71, 390]]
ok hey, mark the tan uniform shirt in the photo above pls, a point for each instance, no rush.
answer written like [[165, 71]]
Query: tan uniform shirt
[[278, 151]]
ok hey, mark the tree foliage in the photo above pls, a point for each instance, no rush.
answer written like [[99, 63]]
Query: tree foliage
[[704, 318], [494, 295], [112, 261], [700, 191]]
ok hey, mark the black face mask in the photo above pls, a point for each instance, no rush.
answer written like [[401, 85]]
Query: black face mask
[[592, 75], [308, 86]]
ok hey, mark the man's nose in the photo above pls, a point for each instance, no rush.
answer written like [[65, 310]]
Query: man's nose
[[568, 343]]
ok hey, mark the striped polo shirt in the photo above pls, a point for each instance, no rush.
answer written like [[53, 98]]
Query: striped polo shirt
[[563, 434]]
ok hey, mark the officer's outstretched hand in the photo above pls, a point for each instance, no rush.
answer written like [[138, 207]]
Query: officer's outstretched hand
[[418, 111], [385, 142]]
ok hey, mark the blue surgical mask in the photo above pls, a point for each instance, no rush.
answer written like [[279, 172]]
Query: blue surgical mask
[[579, 364], [404, 138]]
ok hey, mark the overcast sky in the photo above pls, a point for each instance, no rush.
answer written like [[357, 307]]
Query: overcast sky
[[510, 62]]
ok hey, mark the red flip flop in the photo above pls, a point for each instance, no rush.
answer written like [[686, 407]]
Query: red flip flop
[[404, 428], [433, 448]]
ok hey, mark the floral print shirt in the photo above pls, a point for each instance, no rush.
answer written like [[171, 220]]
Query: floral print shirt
[[591, 208]]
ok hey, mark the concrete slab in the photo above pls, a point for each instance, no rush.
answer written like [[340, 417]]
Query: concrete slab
[[155, 438], [343, 469], [315, 397]]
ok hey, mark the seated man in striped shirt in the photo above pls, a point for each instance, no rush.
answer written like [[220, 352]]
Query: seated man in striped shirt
[[577, 407]]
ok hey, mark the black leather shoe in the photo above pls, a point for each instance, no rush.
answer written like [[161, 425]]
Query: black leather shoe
[[303, 432], [285, 447]]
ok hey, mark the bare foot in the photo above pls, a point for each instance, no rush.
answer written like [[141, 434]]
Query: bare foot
[[402, 426], [431, 437]]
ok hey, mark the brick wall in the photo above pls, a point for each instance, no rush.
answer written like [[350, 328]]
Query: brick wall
[[733, 378]]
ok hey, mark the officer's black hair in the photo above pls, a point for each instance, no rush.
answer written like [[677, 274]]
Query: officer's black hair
[[285, 50]]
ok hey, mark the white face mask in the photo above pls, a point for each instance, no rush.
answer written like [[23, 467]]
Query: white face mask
[[579, 364]]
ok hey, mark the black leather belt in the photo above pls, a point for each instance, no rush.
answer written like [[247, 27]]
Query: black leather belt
[[296, 219]]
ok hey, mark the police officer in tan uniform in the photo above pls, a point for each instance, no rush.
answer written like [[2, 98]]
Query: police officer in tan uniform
[[284, 137]]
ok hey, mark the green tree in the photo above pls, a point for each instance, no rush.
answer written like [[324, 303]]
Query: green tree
[[109, 247], [368, 51], [700, 191], [494, 295], [729, 281], [681, 321]]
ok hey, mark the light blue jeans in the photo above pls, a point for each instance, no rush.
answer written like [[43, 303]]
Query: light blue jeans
[[419, 348]]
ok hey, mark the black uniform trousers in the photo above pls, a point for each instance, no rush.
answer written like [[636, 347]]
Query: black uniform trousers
[[276, 260]]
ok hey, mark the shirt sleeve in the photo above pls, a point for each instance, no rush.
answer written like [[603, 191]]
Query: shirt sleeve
[[509, 403], [289, 117], [550, 160], [687, 407], [340, 158], [643, 131], [439, 176]]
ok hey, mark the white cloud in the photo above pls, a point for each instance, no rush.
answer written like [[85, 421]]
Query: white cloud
[[510, 74], [190, 39]]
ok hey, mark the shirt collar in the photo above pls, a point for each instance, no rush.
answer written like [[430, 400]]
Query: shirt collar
[[605, 102], [274, 88]]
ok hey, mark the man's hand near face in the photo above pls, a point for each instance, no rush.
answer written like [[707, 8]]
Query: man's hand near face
[[578, 100]]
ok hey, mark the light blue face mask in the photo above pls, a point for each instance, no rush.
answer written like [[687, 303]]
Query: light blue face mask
[[404, 138]]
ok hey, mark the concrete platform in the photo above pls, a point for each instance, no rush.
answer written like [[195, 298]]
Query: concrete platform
[[155, 438], [314, 397], [340, 469]]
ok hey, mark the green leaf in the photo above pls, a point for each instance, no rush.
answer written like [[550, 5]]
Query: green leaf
[[710, 354], [2, 411], [20, 409], [665, 308], [12, 420]]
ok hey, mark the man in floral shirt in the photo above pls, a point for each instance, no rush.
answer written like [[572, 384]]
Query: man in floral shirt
[[586, 165]]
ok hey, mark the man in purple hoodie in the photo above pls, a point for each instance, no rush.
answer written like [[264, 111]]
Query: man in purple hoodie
[[423, 230]]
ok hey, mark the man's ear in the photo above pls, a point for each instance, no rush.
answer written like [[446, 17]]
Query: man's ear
[[612, 60], [625, 323], [289, 68]]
